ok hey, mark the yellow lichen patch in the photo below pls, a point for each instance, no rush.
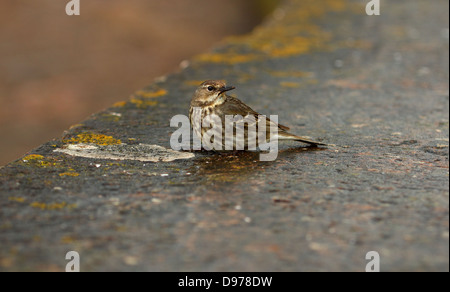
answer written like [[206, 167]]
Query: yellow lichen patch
[[116, 164], [73, 174], [38, 161], [120, 104], [298, 45], [140, 98], [91, 138], [290, 84], [17, 199], [32, 157], [42, 206], [226, 58], [296, 34], [149, 94], [312, 81], [285, 41], [337, 6], [67, 239], [52, 206], [143, 104]]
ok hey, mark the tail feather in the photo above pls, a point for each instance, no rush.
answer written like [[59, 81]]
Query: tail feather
[[288, 136]]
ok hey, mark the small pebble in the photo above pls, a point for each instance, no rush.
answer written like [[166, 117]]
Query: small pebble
[[131, 260], [156, 201]]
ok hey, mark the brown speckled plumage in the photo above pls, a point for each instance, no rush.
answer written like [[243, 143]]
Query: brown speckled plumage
[[210, 99]]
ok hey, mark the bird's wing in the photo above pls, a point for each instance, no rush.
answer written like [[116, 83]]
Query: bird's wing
[[236, 107]]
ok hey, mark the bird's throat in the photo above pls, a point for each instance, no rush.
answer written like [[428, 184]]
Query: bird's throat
[[216, 101]]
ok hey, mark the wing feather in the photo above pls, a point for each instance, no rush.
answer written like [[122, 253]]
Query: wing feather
[[234, 106]]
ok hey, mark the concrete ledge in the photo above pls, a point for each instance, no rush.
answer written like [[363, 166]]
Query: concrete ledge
[[377, 85]]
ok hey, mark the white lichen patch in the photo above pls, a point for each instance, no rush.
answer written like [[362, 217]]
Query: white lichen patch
[[140, 152]]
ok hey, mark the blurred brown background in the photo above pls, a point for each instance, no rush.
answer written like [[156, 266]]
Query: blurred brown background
[[55, 70]]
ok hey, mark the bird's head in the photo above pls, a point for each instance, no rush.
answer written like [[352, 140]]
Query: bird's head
[[211, 92]]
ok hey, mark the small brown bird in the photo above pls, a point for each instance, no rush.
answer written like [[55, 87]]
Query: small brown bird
[[210, 99]]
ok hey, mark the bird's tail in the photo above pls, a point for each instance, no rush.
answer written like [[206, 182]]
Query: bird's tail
[[288, 136]]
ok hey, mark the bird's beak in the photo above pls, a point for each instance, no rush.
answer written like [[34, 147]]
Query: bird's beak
[[226, 88]]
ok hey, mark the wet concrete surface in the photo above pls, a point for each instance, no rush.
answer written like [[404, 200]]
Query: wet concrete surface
[[377, 87]]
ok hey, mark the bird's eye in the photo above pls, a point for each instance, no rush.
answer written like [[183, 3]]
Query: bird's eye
[[210, 88]]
